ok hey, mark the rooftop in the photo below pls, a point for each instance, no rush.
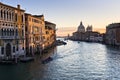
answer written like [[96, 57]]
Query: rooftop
[[113, 25], [18, 6]]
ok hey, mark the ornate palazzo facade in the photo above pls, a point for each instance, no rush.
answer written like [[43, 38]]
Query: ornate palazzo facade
[[12, 31]]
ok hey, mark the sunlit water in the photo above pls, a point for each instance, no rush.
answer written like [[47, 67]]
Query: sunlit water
[[74, 61]]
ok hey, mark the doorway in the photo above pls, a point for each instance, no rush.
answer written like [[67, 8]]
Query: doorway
[[8, 49]]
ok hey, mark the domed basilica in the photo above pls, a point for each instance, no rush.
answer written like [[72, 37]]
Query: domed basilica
[[81, 28], [84, 35]]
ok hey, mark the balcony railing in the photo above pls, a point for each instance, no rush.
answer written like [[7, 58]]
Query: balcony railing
[[37, 41], [36, 32], [9, 37]]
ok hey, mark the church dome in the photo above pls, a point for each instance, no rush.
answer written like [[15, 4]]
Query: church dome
[[81, 28]]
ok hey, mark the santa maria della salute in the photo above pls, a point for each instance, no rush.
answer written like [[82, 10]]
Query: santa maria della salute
[[87, 34]]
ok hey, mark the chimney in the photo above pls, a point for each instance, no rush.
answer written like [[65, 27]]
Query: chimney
[[18, 6]]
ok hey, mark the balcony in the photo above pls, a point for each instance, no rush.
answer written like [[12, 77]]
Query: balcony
[[37, 41], [36, 33], [9, 37]]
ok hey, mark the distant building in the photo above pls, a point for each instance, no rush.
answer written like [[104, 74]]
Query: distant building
[[12, 31], [93, 37], [113, 34], [88, 35], [80, 33]]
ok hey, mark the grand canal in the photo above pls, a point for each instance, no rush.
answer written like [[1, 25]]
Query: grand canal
[[74, 61]]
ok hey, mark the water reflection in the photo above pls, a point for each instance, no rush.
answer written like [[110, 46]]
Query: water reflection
[[74, 61]]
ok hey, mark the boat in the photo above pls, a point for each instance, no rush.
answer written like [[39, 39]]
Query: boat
[[47, 60], [27, 59], [7, 62]]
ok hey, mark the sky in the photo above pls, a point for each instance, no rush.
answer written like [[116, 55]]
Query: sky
[[67, 14]]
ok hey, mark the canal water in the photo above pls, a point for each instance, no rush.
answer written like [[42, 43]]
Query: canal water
[[74, 61]]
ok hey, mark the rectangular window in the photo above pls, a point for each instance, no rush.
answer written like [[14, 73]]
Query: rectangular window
[[17, 42], [22, 18], [36, 29], [17, 48], [26, 18], [26, 28], [23, 41], [15, 17], [23, 48], [29, 19], [22, 32], [2, 50], [47, 32], [43, 37]]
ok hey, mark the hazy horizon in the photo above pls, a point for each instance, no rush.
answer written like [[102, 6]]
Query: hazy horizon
[[64, 31]]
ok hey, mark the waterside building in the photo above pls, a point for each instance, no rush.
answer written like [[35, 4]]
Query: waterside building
[[49, 36], [23, 33], [12, 31], [33, 30], [113, 34]]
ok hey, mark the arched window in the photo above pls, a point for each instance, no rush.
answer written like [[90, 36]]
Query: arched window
[[16, 32], [2, 31], [13, 49], [7, 32], [22, 48], [13, 33], [12, 16], [4, 15], [10, 31], [1, 13], [7, 15]]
